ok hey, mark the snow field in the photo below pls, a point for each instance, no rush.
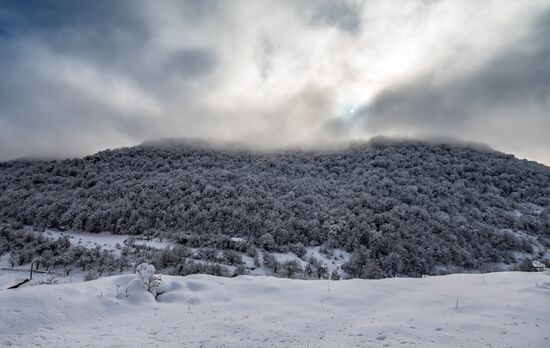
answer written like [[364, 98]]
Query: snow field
[[508, 309]]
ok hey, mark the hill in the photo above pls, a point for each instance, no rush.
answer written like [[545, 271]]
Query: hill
[[399, 207]]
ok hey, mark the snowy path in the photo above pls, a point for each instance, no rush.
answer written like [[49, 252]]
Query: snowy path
[[494, 310]]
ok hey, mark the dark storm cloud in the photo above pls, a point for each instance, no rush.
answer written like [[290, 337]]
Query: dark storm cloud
[[71, 71]]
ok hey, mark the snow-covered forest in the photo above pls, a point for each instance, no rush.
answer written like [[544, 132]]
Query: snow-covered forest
[[396, 207]]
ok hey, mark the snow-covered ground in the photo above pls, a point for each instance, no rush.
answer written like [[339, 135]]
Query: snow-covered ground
[[338, 258], [492, 310], [112, 242], [105, 240]]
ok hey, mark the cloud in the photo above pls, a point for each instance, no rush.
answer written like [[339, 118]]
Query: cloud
[[79, 77], [505, 101]]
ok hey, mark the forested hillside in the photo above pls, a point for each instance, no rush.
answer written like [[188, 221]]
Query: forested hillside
[[400, 207]]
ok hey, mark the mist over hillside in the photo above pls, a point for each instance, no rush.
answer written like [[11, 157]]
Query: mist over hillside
[[399, 207]]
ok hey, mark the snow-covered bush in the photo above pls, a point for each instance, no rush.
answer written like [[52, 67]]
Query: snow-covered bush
[[270, 261], [232, 257], [131, 241], [267, 241], [539, 266], [91, 275], [291, 268], [527, 265], [150, 280]]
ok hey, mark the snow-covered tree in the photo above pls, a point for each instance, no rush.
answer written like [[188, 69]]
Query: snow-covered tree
[[151, 281], [414, 205]]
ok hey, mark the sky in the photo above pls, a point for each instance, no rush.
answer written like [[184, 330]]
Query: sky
[[77, 77]]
